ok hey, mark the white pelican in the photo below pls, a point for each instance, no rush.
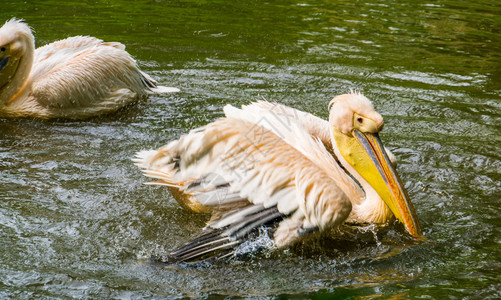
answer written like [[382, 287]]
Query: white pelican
[[74, 78], [266, 164]]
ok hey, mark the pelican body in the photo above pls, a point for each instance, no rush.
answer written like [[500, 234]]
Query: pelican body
[[74, 78], [272, 165]]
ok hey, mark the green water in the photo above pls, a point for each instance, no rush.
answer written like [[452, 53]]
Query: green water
[[76, 221]]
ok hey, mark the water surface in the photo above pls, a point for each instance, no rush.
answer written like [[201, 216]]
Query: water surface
[[77, 222]]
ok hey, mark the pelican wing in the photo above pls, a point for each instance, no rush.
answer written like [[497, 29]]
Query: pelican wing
[[282, 116], [233, 160], [304, 132], [83, 75]]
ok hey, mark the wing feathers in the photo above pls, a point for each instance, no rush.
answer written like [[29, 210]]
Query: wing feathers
[[287, 182], [223, 240]]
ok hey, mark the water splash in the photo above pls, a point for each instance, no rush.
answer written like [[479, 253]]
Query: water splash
[[262, 244]]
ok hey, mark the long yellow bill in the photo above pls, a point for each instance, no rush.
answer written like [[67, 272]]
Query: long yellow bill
[[388, 184]]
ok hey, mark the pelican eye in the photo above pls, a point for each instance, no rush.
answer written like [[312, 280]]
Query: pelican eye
[[2, 49], [360, 120]]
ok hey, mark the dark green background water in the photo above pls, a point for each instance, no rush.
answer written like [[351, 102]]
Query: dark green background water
[[76, 221]]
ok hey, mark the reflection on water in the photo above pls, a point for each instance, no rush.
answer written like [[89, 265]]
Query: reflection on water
[[76, 221]]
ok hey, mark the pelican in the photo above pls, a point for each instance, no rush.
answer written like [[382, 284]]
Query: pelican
[[267, 164], [74, 78]]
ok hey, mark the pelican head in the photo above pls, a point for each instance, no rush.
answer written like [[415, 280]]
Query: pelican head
[[355, 126], [17, 45]]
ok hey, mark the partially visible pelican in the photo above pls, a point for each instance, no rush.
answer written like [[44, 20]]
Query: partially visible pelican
[[266, 164], [74, 78]]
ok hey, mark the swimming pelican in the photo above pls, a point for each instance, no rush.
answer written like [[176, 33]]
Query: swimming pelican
[[266, 164], [74, 78]]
